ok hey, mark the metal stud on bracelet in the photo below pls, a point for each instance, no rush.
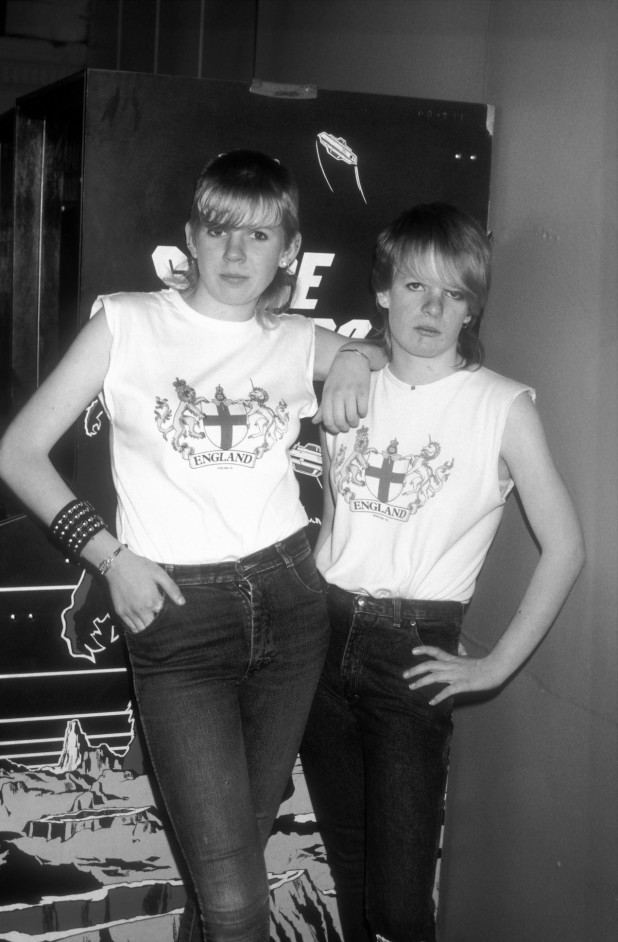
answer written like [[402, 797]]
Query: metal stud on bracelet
[[74, 525]]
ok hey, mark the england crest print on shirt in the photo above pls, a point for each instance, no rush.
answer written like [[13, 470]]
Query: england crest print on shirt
[[221, 431], [385, 482]]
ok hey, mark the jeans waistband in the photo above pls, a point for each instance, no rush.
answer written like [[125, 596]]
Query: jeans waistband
[[395, 609], [283, 552]]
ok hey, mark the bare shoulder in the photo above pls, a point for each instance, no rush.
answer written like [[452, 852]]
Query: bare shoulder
[[525, 448], [523, 412]]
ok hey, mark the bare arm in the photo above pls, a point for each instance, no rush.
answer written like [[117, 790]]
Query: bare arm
[[24, 450], [553, 519], [135, 583], [346, 387]]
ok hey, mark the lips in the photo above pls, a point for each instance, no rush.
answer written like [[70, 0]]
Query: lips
[[233, 279]]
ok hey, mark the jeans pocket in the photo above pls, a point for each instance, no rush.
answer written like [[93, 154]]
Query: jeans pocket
[[158, 619], [439, 634]]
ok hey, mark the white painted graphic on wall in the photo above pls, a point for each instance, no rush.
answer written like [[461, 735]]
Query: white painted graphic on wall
[[337, 149]]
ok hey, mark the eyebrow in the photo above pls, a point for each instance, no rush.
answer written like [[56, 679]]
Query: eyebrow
[[242, 225]]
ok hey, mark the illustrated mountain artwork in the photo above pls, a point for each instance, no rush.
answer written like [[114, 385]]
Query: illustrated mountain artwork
[[84, 854]]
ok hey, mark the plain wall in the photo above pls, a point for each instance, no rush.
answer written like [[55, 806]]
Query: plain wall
[[535, 770], [531, 837]]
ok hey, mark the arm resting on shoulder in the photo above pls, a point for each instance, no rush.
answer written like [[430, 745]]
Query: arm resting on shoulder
[[346, 375]]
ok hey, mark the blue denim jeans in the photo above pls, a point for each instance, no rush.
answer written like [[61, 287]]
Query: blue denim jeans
[[375, 756], [224, 685]]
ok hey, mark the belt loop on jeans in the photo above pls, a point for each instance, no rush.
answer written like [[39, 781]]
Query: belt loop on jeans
[[396, 613], [283, 553]]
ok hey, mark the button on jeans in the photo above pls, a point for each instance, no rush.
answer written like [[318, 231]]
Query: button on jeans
[[224, 685], [375, 756]]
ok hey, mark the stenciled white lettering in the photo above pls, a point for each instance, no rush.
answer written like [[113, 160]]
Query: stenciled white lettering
[[354, 328], [307, 278]]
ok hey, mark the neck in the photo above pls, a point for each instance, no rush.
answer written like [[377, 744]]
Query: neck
[[204, 304], [420, 371]]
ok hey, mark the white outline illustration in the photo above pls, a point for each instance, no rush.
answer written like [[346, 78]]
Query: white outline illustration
[[337, 148]]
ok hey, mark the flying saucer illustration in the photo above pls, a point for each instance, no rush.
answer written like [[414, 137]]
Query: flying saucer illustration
[[337, 148]]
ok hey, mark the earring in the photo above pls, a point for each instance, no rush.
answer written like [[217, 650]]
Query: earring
[[283, 263]]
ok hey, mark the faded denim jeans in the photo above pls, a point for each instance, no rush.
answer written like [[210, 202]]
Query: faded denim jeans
[[375, 756], [224, 685]]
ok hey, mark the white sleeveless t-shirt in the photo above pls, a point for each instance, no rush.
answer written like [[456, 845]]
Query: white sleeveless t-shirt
[[417, 487], [203, 414]]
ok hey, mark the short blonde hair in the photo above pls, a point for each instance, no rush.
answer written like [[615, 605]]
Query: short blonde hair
[[437, 239], [248, 188]]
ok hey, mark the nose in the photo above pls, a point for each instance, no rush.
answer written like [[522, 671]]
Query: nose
[[234, 246], [434, 303]]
